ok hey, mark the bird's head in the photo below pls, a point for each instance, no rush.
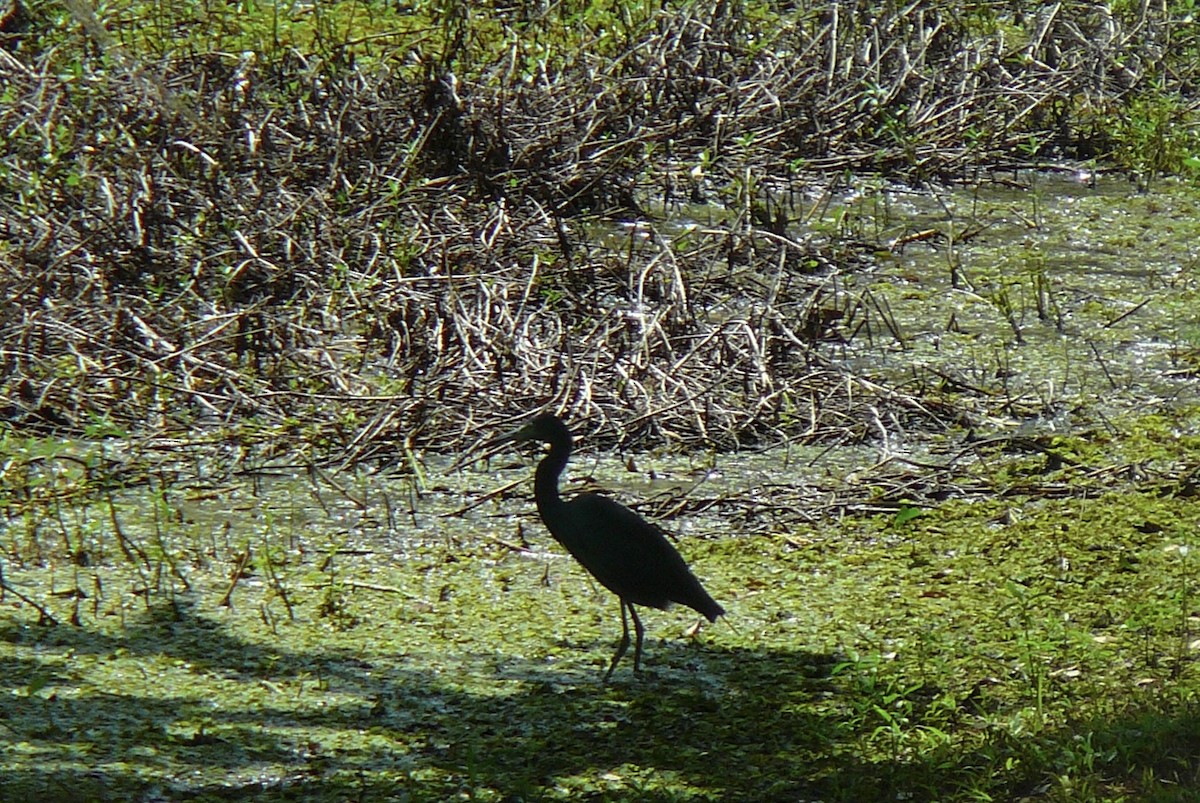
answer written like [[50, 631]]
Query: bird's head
[[545, 427]]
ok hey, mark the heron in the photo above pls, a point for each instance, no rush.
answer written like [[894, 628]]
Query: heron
[[628, 555]]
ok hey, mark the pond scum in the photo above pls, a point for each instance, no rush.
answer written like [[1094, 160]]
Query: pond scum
[[249, 243]]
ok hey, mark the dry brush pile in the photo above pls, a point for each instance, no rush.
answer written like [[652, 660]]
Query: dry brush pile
[[215, 247]]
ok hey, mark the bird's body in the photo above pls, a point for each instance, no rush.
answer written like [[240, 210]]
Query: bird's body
[[630, 558], [627, 554]]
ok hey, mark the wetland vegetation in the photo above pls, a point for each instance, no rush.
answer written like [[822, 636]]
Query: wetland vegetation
[[888, 311]]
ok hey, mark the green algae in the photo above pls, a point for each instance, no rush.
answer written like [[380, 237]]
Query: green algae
[[985, 648]]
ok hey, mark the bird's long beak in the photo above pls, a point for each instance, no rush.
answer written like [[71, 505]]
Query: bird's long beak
[[516, 435], [484, 450]]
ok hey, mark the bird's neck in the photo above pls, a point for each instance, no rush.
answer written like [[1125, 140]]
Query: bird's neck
[[545, 481]]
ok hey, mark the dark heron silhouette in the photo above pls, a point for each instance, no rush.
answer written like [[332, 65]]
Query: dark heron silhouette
[[628, 555]]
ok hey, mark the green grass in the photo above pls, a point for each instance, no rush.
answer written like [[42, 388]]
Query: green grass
[[1149, 128]]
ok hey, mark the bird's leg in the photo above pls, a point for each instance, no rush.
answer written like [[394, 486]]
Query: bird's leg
[[624, 645], [637, 649]]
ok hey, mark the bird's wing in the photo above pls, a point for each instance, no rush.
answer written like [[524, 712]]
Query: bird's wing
[[627, 554]]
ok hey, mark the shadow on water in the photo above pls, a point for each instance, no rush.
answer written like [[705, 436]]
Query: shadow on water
[[750, 726], [517, 743]]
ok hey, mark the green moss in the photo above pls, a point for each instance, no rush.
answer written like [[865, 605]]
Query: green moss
[[982, 648]]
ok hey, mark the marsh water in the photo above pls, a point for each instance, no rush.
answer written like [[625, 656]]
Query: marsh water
[[1066, 302], [408, 593]]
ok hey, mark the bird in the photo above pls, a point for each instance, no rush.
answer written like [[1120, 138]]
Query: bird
[[628, 555]]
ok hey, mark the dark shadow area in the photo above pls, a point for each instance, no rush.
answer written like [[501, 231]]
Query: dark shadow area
[[747, 726]]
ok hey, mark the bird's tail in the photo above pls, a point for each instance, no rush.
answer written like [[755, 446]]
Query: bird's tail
[[708, 607]]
